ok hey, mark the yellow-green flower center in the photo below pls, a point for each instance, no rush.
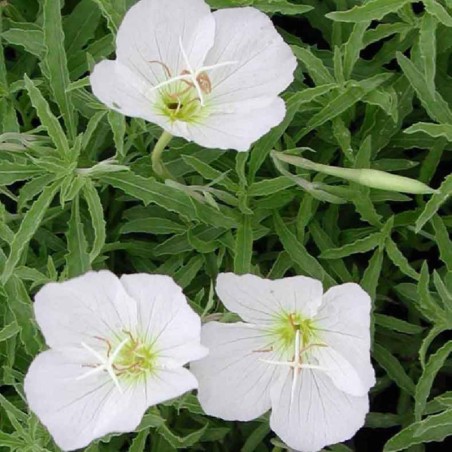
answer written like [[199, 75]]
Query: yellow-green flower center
[[180, 102], [287, 326], [136, 357]]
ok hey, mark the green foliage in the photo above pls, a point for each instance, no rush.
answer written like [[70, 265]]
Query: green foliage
[[77, 192]]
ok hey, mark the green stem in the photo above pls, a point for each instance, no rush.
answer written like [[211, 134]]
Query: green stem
[[364, 176], [156, 156]]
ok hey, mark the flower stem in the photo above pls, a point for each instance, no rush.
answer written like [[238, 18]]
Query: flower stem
[[156, 156], [368, 177]]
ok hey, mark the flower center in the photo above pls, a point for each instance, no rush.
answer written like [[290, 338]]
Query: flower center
[[135, 358], [130, 358], [296, 336], [184, 97], [287, 327], [179, 102]]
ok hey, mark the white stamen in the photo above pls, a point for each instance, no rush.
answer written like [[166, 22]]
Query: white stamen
[[105, 363], [297, 358], [297, 363], [171, 80], [192, 74], [215, 66], [293, 364]]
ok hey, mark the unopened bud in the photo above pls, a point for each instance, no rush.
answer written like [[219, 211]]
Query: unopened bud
[[368, 177]]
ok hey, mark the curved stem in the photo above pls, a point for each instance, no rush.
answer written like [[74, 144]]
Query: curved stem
[[156, 156]]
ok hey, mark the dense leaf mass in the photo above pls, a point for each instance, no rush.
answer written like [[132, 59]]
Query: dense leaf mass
[[373, 89]]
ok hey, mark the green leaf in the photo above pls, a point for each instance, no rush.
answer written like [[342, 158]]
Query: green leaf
[[11, 172], [443, 241], [97, 219], [359, 246], [424, 385], [80, 26], [371, 277], [399, 260], [27, 229], [153, 225], [433, 428], [77, 257], [209, 173], [117, 123], [91, 127], [243, 246], [9, 331], [353, 47], [47, 118], [324, 243], [445, 294], [32, 40], [427, 48], [270, 186], [370, 10], [308, 264], [353, 93], [139, 442], [382, 420], [434, 130], [56, 63], [434, 104], [386, 99], [263, 146], [12, 440], [427, 341], [255, 438], [314, 66], [113, 11], [434, 203], [179, 442], [438, 12], [281, 6], [393, 368], [395, 324], [150, 191], [22, 308], [426, 303], [71, 187], [170, 198]]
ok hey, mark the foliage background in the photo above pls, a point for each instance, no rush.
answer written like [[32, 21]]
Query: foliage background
[[373, 89]]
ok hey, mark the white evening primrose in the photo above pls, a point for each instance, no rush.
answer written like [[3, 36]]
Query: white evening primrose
[[303, 353], [117, 346], [211, 78]]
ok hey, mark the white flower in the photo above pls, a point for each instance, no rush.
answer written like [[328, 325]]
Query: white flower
[[117, 346], [304, 354], [212, 78]]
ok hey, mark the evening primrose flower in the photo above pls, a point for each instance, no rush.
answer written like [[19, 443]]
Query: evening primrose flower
[[117, 346], [211, 78], [302, 353]]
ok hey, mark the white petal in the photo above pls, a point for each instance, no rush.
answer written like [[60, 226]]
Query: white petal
[[260, 300], [235, 128], [123, 90], [152, 31], [92, 305], [168, 384], [318, 414], [341, 372], [234, 382], [264, 62], [165, 317], [77, 411], [344, 322]]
